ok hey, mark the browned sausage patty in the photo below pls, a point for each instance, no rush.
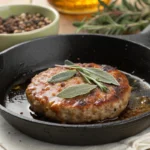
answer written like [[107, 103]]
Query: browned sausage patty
[[96, 105]]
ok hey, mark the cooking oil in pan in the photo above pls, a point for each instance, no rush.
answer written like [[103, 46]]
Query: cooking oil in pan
[[139, 102]]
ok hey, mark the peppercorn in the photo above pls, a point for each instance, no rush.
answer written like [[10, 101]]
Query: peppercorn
[[23, 23]]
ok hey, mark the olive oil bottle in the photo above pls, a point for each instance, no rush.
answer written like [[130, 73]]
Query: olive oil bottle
[[76, 6]]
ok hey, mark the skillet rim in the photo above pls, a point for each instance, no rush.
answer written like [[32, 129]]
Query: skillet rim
[[94, 125]]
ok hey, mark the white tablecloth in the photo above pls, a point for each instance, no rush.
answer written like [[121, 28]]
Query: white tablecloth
[[11, 139]]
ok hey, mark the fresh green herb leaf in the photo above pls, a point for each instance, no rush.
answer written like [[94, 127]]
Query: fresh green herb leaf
[[124, 18], [99, 84], [68, 62], [90, 75], [102, 76], [76, 90], [79, 23], [128, 5], [62, 76], [85, 78], [101, 2], [147, 2], [137, 7]]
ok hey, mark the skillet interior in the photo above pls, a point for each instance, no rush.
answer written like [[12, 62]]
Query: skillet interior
[[43, 53]]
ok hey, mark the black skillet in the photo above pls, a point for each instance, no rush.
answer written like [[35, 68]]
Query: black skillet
[[24, 59]]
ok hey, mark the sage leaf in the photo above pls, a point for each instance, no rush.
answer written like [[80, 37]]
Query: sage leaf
[[99, 84], [102, 76], [68, 62], [62, 76], [76, 90]]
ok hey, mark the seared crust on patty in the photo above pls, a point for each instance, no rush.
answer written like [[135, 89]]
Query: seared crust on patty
[[94, 106]]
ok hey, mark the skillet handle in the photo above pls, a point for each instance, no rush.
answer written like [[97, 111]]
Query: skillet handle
[[1, 63], [141, 38]]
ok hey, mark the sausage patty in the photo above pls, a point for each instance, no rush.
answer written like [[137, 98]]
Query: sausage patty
[[94, 106]]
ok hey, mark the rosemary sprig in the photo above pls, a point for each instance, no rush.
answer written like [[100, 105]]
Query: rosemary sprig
[[126, 18]]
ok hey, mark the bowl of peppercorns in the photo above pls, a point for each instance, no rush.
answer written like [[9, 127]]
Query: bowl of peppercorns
[[19, 23]]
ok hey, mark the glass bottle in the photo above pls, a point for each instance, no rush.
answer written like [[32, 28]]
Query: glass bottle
[[76, 6]]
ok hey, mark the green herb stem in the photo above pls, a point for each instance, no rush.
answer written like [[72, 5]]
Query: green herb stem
[[86, 79], [101, 85], [126, 18], [70, 66]]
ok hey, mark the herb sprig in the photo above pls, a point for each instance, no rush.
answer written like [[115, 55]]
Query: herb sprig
[[93, 76], [124, 18]]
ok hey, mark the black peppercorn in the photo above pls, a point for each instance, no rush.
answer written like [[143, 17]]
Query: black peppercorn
[[23, 23]]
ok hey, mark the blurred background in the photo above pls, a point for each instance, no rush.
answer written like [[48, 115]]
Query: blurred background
[[110, 17], [67, 8]]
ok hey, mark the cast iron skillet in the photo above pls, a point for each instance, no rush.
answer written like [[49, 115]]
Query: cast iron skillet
[[43, 53]]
